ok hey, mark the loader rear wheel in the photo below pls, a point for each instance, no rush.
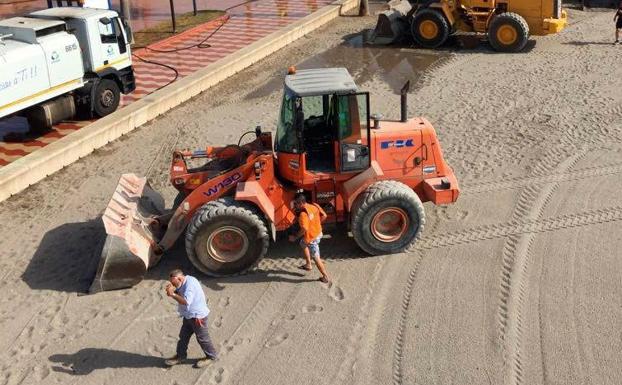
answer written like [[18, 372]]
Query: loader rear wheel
[[107, 97], [429, 28], [226, 237], [508, 32], [387, 218]]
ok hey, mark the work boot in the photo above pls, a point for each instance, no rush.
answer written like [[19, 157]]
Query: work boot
[[175, 360], [203, 362]]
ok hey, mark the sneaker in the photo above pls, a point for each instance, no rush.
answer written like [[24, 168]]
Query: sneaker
[[203, 362], [175, 360]]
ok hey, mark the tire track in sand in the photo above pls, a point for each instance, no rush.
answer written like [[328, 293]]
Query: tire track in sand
[[398, 351], [258, 321], [516, 259], [346, 369], [522, 182], [516, 254], [516, 228]]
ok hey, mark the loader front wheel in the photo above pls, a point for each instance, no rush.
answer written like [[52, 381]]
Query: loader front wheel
[[429, 28], [508, 32], [387, 218], [226, 237], [107, 97]]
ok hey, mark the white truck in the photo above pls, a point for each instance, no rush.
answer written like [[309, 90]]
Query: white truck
[[59, 61]]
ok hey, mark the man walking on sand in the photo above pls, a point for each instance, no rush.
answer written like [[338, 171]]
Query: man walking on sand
[[192, 307], [310, 218], [618, 19]]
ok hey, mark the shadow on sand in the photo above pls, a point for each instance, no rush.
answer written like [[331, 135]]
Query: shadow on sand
[[88, 360], [583, 43], [67, 259]]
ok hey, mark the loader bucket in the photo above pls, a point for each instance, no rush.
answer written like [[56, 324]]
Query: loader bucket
[[392, 25], [128, 250]]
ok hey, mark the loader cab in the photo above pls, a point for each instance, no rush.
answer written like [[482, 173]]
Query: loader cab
[[323, 127]]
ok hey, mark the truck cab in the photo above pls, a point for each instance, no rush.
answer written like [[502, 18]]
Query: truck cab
[[62, 61], [102, 38]]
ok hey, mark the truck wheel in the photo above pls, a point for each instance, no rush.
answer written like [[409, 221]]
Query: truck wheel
[[107, 97], [508, 32], [226, 237], [387, 218], [429, 28]]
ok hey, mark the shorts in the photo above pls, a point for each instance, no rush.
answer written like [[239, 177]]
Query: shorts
[[619, 23], [314, 246]]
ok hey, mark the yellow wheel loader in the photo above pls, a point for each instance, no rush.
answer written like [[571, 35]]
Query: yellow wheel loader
[[507, 23]]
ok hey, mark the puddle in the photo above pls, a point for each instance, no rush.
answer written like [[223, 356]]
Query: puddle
[[393, 64]]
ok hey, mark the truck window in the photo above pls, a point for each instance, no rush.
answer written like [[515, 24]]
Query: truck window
[[119, 34], [51, 30], [107, 33]]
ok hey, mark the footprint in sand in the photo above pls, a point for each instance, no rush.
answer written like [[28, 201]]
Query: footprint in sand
[[224, 302], [277, 340], [41, 372], [218, 376], [218, 322], [336, 293], [452, 214], [312, 309]]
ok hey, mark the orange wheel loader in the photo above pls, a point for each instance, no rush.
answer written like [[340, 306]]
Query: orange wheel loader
[[367, 173]]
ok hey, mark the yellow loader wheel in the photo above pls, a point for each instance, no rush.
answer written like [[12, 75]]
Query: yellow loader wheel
[[508, 32], [429, 28]]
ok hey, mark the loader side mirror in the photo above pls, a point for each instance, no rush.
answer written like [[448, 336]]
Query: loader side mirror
[[258, 131]]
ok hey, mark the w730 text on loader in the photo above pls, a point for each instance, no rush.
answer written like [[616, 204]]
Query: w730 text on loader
[[372, 177]]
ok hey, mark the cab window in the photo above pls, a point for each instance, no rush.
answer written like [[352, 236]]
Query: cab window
[[286, 137], [107, 31]]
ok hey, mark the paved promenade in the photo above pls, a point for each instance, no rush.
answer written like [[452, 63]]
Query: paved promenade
[[241, 26]]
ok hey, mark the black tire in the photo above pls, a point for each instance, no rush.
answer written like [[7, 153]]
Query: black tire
[[106, 98], [385, 197], [508, 32], [235, 219], [432, 19]]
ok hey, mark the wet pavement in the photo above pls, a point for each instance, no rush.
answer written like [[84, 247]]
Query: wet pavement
[[145, 13], [394, 64]]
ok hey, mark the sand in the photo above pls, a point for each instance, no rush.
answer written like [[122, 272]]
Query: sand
[[516, 283]]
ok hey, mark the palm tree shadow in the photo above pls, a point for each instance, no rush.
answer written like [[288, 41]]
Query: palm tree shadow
[[87, 360]]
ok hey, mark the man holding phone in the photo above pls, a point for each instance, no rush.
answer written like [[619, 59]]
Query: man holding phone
[[192, 307]]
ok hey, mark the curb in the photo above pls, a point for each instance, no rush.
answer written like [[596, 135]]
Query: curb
[[28, 170]]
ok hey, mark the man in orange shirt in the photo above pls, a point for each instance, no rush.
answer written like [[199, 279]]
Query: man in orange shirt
[[310, 218]]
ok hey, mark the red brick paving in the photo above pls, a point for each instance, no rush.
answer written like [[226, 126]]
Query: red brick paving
[[240, 27]]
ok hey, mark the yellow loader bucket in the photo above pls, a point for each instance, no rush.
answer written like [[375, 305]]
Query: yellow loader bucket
[[128, 249]]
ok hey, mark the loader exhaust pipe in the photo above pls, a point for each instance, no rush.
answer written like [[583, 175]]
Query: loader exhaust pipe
[[404, 102]]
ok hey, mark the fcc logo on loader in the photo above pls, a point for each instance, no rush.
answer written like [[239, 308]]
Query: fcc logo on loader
[[397, 143]]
